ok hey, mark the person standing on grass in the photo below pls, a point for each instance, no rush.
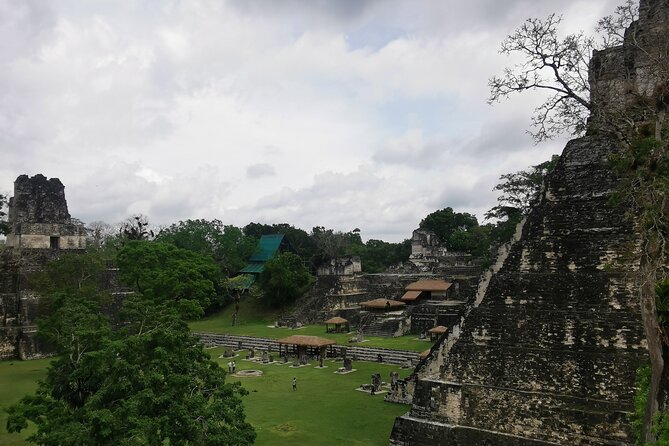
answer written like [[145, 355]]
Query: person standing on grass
[[294, 383], [234, 366]]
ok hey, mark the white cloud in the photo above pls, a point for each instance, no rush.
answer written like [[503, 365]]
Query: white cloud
[[364, 114]]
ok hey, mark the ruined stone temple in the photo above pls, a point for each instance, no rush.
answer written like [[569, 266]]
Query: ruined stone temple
[[38, 216], [547, 353], [41, 228]]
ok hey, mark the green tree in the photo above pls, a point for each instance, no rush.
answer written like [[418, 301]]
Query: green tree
[[445, 222], [75, 302], [169, 274], [303, 244], [79, 275], [284, 279], [377, 255], [149, 383], [520, 190], [475, 240], [331, 244], [226, 244]]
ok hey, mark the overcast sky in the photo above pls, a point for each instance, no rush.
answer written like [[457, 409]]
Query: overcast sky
[[345, 114]]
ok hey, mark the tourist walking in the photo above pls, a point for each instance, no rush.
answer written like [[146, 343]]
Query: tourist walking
[[294, 383], [234, 366]]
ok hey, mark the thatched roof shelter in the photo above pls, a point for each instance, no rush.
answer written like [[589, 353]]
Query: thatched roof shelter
[[338, 323], [410, 296], [306, 341], [427, 287], [382, 303], [436, 332], [336, 320], [437, 285]]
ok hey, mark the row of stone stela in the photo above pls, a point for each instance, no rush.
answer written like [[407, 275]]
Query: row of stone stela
[[400, 357]]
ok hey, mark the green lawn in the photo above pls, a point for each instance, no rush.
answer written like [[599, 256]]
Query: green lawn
[[255, 320], [17, 378], [325, 410]]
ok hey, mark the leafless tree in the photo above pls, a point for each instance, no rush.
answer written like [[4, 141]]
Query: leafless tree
[[558, 66], [98, 231]]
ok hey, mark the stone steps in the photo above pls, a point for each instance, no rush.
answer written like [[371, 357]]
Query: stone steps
[[387, 327]]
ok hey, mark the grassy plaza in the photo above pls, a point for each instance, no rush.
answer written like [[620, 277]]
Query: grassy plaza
[[326, 408]]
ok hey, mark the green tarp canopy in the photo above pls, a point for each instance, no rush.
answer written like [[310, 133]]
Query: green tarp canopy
[[267, 248]]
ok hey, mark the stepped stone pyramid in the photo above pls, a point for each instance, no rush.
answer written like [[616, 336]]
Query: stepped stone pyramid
[[548, 353]]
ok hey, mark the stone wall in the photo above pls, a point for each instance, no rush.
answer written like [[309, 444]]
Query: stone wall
[[628, 83], [20, 307], [342, 295], [550, 353], [341, 266]]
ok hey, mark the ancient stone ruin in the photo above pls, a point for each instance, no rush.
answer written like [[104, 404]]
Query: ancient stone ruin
[[547, 354], [38, 216], [340, 266], [41, 228], [429, 255]]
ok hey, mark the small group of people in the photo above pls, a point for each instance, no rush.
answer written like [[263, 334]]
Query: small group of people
[[232, 366]]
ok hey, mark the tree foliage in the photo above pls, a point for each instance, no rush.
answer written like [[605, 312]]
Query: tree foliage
[[170, 274], [137, 228], [99, 234], [660, 422], [519, 190], [558, 66], [331, 244], [149, 383], [75, 274], [74, 303], [611, 29], [141, 379], [377, 255], [226, 244], [445, 222], [299, 238], [284, 279]]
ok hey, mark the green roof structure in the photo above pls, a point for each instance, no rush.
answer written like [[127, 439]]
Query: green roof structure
[[268, 246], [253, 268]]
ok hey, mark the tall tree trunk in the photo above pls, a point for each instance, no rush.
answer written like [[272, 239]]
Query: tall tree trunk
[[658, 389]]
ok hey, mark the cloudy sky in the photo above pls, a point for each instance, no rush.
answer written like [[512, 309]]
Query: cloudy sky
[[342, 113]]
